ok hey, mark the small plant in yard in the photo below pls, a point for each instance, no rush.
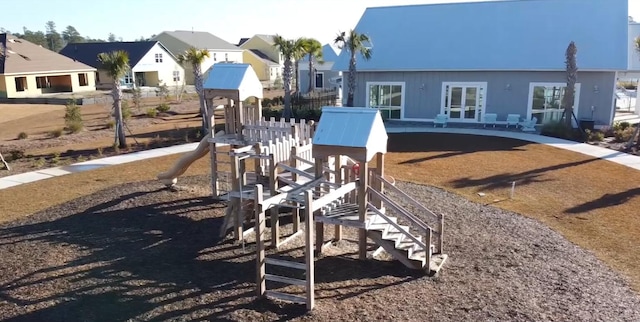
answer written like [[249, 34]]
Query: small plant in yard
[[73, 117], [56, 158], [594, 136], [111, 124], [136, 97], [39, 163], [163, 91], [623, 134], [126, 110], [100, 151], [16, 154], [163, 107], [57, 133], [81, 158], [22, 136], [116, 148], [152, 112]]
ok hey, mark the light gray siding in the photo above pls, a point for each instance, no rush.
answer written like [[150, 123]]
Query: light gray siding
[[423, 91], [328, 74]]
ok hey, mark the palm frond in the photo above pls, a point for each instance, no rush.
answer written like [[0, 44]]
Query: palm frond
[[115, 63], [193, 56]]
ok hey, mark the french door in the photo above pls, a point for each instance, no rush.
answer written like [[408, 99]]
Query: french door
[[463, 102]]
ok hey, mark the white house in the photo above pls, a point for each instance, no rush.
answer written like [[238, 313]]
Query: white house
[[220, 51], [151, 63]]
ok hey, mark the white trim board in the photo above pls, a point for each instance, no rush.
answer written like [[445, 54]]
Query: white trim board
[[402, 92], [482, 85], [576, 103]]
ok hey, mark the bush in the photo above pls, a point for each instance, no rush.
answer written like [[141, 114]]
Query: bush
[[152, 112], [163, 108], [56, 133], [111, 124], [126, 110], [623, 135], [16, 155], [22, 135], [621, 126], [558, 129], [594, 136], [73, 117], [308, 114]]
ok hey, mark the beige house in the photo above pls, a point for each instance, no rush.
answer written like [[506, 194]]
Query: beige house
[[265, 59], [220, 51], [29, 70]]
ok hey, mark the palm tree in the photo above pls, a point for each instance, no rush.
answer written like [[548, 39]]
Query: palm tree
[[572, 76], [194, 57], [637, 131], [312, 49], [354, 43], [116, 64], [291, 50]]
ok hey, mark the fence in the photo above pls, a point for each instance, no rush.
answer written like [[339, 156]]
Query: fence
[[263, 130]]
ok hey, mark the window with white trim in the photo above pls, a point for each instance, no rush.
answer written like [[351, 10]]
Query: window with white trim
[[176, 75], [215, 58], [128, 78], [158, 57], [387, 97], [226, 57], [546, 101]]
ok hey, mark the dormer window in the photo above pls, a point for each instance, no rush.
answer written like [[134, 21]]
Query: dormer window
[[159, 58]]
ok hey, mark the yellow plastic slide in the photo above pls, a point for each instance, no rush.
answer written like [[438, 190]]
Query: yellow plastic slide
[[170, 177]]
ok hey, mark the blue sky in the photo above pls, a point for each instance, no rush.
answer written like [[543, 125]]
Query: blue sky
[[228, 19]]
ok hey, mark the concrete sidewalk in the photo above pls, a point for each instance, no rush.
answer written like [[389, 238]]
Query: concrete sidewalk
[[624, 159]]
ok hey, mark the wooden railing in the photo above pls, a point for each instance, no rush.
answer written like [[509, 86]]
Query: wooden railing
[[264, 130]]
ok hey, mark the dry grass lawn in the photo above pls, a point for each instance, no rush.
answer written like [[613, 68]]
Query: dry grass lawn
[[12, 112], [594, 203]]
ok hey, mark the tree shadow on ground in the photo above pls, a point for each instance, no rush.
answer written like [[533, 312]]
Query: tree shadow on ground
[[606, 201], [450, 145], [144, 256], [505, 179]]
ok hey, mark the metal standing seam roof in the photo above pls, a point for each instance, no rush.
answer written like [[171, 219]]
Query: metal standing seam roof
[[202, 40], [26, 57], [230, 76], [494, 35], [352, 127]]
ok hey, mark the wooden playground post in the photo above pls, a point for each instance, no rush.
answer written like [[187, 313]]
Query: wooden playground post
[[378, 185], [295, 213], [236, 186], [362, 209], [337, 236], [259, 229], [309, 257], [319, 173]]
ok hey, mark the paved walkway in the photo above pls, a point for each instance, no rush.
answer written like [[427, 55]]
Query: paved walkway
[[625, 159]]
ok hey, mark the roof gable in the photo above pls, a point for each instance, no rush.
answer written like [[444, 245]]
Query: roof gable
[[352, 127], [262, 56], [21, 56], [235, 77], [496, 35], [87, 53], [328, 54], [201, 40]]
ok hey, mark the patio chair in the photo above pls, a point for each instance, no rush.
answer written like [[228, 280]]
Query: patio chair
[[440, 119], [529, 125], [513, 119], [490, 118]]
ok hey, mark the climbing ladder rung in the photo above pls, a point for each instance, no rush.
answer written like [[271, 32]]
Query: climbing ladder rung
[[286, 297], [280, 262], [286, 280]]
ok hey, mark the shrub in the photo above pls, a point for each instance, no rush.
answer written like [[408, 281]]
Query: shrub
[[621, 126], [163, 108], [56, 158], [39, 163], [73, 117], [126, 110], [594, 136], [560, 130], [22, 135], [111, 124], [152, 112], [56, 133], [16, 154], [623, 135], [136, 97]]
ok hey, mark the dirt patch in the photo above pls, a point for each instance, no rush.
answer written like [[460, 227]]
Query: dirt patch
[[12, 112], [140, 252]]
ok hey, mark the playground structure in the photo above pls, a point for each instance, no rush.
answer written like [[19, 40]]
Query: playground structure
[[320, 172]]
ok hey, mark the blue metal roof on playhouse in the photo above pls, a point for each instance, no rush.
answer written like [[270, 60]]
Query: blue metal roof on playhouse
[[231, 76], [352, 127], [494, 35]]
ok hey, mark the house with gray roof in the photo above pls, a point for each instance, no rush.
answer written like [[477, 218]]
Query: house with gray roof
[[219, 49], [499, 57], [30, 70], [264, 57], [151, 64]]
